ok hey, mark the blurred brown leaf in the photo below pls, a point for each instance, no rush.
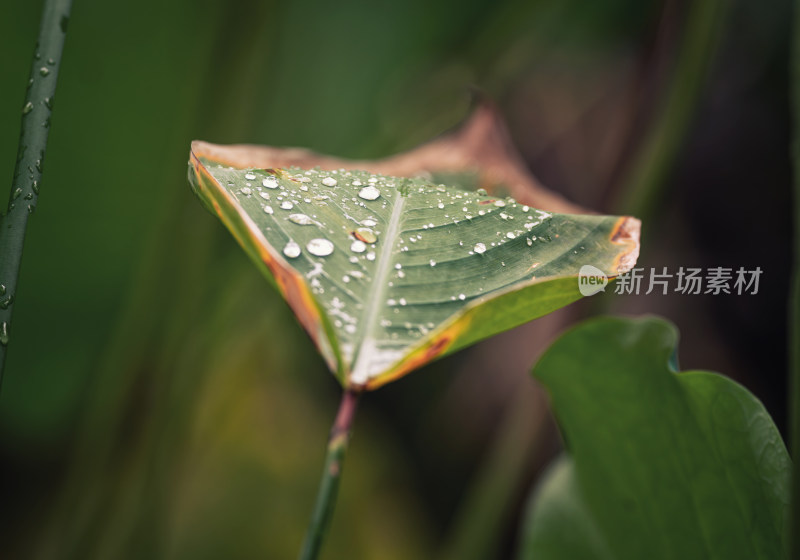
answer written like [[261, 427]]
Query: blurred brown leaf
[[481, 145]]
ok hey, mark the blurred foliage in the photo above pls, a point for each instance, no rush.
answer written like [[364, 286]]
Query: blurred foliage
[[159, 399], [687, 464]]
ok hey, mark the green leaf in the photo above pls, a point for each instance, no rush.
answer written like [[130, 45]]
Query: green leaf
[[666, 465], [388, 273], [559, 524]]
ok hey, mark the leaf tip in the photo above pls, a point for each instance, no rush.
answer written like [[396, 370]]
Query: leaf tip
[[627, 232]]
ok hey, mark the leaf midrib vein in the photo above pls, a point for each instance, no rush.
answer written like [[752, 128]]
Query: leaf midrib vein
[[373, 302]]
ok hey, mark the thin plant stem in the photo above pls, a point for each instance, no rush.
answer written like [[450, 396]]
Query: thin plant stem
[[643, 190], [488, 503], [25, 186], [794, 302], [329, 485]]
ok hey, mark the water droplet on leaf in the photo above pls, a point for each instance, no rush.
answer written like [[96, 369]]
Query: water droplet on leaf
[[292, 250], [366, 235], [369, 193], [320, 247], [301, 219]]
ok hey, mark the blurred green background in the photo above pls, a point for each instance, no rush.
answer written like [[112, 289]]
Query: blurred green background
[[159, 399]]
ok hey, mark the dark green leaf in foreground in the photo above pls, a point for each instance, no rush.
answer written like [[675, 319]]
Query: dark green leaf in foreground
[[388, 273], [661, 465]]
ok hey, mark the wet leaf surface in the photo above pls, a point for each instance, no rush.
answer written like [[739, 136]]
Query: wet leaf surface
[[387, 273]]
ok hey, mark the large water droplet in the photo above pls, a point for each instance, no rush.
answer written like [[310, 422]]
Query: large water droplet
[[44, 71], [479, 248], [249, 176], [369, 193], [329, 182], [286, 205], [366, 235], [247, 191], [301, 219], [320, 247], [270, 183], [358, 246], [268, 209], [292, 250]]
